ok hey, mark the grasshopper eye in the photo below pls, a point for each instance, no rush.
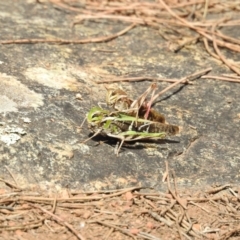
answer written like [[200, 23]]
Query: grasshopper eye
[[112, 94]]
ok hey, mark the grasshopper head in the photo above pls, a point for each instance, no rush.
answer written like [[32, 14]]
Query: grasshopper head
[[117, 98], [113, 95]]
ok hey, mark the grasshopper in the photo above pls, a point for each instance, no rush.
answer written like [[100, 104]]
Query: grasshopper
[[119, 100], [121, 126]]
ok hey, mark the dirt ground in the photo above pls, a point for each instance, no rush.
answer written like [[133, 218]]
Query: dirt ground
[[133, 213], [56, 57]]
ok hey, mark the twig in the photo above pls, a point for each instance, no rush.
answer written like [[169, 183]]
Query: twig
[[108, 212], [54, 205], [179, 229], [187, 78], [14, 179], [166, 196], [195, 204], [10, 184], [234, 40], [138, 79], [229, 234], [170, 190], [169, 207], [205, 9], [172, 215], [109, 233], [175, 81], [116, 227], [63, 41], [60, 220], [221, 78], [205, 41], [234, 76], [148, 236], [234, 193], [24, 226], [189, 222], [218, 189], [224, 60], [75, 199], [161, 219], [111, 191], [64, 6]]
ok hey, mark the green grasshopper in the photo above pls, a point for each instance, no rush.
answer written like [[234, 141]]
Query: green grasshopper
[[126, 128]]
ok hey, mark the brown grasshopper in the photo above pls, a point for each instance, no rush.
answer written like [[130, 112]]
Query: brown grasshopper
[[119, 100]]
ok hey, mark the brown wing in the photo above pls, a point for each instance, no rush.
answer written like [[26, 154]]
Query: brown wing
[[159, 127]]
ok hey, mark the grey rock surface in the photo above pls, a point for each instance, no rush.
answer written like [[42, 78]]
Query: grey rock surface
[[39, 84]]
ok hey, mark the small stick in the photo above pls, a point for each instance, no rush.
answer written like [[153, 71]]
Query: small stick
[[218, 189], [195, 204], [178, 227], [170, 190], [189, 221], [111, 191], [161, 219], [205, 9], [63, 41], [235, 194], [205, 41], [109, 233], [24, 227], [224, 60], [148, 236], [172, 215], [229, 234], [60, 220], [231, 76], [187, 78], [234, 40], [118, 228], [75, 199], [54, 205], [138, 79], [222, 78], [14, 179], [171, 206], [166, 196], [10, 184]]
